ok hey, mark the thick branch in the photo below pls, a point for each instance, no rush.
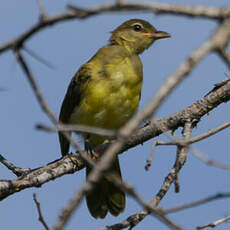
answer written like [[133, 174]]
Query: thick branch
[[80, 13], [37, 177]]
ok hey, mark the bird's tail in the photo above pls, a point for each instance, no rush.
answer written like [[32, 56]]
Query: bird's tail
[[106, 197]]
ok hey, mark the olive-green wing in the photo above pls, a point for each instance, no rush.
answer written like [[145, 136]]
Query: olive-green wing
[[71, 101]]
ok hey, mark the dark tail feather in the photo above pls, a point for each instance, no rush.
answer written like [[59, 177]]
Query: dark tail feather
[[106, 196]]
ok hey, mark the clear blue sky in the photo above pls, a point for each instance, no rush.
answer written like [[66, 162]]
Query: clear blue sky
[[67, 46]]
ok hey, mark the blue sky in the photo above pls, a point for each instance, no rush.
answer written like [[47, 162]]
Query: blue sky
[[67, 46]]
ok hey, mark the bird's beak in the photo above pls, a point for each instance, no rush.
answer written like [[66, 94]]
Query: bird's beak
[[161, 34], [158, 35]]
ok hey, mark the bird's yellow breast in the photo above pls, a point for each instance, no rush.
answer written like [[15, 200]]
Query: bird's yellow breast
[[110, 98]]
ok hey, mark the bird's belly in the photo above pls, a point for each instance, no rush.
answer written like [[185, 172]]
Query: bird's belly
[[107, 107]]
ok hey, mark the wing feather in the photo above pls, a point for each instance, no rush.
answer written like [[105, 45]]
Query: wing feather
[[71, 101]]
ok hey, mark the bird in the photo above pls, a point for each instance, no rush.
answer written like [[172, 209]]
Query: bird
[[105, 93]]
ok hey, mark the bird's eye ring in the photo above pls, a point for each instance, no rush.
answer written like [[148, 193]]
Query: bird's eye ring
[[137, 27]]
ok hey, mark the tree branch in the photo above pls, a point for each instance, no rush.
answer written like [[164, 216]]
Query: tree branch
[[135, 219], [40, 216], [124, 6], [157, 8], [214, 223], [196, 203], [73, 163], [16, 170]]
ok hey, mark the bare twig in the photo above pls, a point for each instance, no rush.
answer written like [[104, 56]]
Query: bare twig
[[214, 223], [38, 58], [34, 86], [195, 152], [183, 142], [41, 219], [43, 14], [16, 170], [79, 13], [192, 140], [209, 161], [224, 55], [157, 8], [77, 128], [182, 153], [196, 203], [150, 158]]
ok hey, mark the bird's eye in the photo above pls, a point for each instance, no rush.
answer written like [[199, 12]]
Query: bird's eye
[[137, 27]]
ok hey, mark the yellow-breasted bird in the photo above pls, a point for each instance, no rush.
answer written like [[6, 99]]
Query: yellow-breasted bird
[[105, 93]]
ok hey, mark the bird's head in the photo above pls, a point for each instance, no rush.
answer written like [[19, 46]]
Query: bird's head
[[136, 35]]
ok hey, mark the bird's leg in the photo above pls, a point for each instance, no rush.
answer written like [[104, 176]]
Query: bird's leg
[[89, 149]]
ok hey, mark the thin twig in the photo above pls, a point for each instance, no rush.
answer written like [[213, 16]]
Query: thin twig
[[34, 86], [196, 203], [195, 152], [182, 153], [150, 158], [43, 14], [77, 128], [41, 219], [157, 8], [200, 156], [183, 142], [214, 223], [224, 55], [38, 58], [209, 161], [16, 170], [192, 140]]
